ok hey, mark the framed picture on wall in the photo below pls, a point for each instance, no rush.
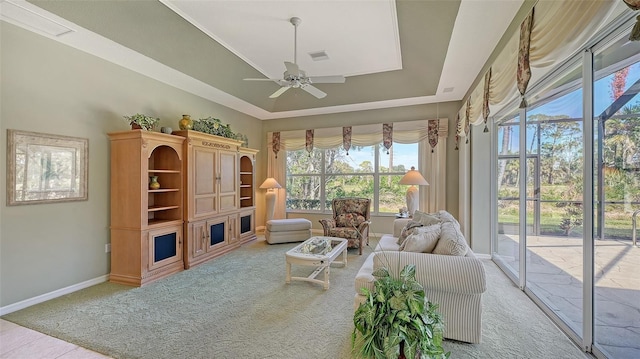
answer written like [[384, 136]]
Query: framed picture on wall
[[45, 168]]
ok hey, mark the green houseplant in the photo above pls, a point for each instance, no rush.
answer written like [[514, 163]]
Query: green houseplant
[[144, 122], [213, 126], [397, 320]]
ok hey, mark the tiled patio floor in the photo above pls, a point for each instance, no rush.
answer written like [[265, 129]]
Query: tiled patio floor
[[555, 272]]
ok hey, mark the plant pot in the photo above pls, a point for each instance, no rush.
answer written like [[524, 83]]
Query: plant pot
[[135, 126]]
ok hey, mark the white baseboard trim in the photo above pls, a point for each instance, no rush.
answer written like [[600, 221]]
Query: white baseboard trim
[[51, 295], [483, 256]]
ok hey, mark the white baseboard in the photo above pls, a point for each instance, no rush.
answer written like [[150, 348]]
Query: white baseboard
[[56, 293], [483, 256]]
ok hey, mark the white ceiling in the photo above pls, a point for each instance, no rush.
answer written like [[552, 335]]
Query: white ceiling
[[383, 46], [360, 37]]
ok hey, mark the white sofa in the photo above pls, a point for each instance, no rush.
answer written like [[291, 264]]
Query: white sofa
[[455, 283]]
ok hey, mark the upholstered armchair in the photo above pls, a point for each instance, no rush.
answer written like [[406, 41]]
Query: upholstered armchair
[[351, 219]]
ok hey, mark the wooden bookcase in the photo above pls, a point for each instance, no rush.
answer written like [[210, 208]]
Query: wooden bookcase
[[205, 205], [146, 224], [219, 194], [247, 214]]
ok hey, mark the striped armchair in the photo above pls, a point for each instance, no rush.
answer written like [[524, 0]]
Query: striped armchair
[[455, 283], [351, 219]]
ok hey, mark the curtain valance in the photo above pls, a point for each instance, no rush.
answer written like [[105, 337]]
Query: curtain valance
[[558, 30], [365, 135]]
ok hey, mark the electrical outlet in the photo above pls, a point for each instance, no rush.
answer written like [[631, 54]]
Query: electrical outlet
[[107, 248]]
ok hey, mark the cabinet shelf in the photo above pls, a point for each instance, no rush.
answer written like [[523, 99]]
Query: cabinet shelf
[[162, 222], [163, 171], [246, 173], [164, 190], [161, 208], [244, 198], [245, 186]]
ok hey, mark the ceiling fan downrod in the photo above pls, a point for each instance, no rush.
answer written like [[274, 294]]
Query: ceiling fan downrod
[[295, 21]]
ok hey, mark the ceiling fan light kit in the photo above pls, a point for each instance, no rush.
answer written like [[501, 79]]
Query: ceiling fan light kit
[[294, 77]]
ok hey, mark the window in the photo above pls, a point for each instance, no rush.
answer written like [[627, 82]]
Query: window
[[315, 179]]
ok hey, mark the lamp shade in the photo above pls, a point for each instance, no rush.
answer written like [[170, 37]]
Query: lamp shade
[[413, 177], [270, 183]]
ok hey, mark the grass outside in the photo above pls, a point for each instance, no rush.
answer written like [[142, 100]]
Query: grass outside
[[618, 223]]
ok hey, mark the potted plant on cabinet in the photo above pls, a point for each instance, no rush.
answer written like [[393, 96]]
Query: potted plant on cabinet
[[397, 320], [144, 122]]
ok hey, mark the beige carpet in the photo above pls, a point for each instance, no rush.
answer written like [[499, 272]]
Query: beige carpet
[[239, 306]]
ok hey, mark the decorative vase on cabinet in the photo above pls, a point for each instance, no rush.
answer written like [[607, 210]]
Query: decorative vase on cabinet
[[186, 123]]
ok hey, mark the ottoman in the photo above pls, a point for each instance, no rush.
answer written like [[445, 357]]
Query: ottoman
[[287, 230]]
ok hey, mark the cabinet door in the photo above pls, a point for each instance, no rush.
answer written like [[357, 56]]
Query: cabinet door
[[233, 229], [217, 229], [204, 182], [165, 247], [199, 239], [228, 181], [247, 224]]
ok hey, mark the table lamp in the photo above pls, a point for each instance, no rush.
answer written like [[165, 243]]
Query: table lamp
[[413, 178], [270, 184]]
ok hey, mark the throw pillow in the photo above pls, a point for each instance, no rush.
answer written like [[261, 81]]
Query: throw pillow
[[423, 240], [451, 241], [426, 219], [447, 217], [408, 230]]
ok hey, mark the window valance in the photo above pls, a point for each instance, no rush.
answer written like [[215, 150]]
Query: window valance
[[365, 135], [559, 29]]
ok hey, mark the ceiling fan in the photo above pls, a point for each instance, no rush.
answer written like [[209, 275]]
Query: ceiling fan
[[294, 77]]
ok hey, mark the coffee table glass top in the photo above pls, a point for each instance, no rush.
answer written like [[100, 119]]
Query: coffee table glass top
[[317, 246]]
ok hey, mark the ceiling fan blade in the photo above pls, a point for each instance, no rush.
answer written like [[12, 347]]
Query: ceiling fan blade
[[327, 79], [314, 91], [280, 91], [292, 68], [262, 79]]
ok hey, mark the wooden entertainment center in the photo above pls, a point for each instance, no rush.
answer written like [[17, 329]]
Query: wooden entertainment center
[[205, 205]]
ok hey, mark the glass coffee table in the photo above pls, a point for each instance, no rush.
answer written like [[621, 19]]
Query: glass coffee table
[[318, 252]]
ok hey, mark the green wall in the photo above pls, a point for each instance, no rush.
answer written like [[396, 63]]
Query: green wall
[[52, 88]]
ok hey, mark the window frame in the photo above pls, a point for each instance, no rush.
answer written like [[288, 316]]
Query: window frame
[[375, 210]]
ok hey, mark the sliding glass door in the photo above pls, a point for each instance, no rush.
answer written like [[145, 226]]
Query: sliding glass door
[[576, 257], [616, 149], [554, 267], [508, 205]]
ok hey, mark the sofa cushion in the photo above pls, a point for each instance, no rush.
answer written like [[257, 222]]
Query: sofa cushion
[[409, 229], [423, 240], [451, 241], [387, 243], [426, 219]]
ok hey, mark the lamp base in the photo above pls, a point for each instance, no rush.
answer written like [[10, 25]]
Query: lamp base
[[270, 198], [412, 200]]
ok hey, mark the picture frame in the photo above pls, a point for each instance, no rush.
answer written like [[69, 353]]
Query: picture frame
[[46, 168]]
